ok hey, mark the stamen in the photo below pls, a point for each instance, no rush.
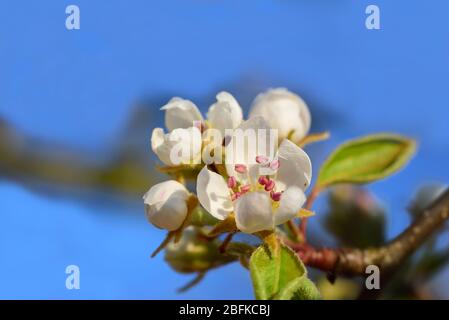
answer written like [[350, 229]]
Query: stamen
[[261, 159], [235, 196], [263, 180], [240, 168], [232, 182], [276, 196], [270, 185], [275, 164], [245, 188]]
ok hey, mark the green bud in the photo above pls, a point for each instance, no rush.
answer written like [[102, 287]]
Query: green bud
[[354, 217], [195, 253]]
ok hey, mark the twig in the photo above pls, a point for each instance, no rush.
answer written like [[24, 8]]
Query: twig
[[192, 283], [351, 261], [224, 245]]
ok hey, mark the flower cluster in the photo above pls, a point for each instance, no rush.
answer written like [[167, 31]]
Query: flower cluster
[[262, 182]]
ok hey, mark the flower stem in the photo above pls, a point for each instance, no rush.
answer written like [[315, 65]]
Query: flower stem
[[226, 241], [308, 205]]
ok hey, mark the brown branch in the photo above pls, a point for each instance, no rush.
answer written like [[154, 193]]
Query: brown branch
[[351, 261]]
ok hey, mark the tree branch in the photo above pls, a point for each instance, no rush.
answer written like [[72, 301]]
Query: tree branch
[[352, 261]]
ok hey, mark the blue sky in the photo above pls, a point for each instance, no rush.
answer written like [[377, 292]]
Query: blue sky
[[76, 88]]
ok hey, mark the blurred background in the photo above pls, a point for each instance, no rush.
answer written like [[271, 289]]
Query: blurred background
[[77, 109]]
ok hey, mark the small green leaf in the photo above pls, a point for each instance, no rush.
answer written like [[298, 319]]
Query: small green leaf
[[299, 289], [366, 159], [273, 271]]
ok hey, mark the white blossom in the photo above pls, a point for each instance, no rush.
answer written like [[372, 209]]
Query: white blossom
[[166, 204], [284, 111], [184, 141], [259, 202], [225, 113]]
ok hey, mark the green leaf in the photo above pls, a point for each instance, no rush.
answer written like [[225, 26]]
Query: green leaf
[[299, 289], [275, 269], [366, 159]]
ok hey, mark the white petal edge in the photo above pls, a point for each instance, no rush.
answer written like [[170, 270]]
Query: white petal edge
[[295, 166], [213, 194], [181, 113], [157, 138]]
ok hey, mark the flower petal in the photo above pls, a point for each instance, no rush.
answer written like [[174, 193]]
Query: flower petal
[[165, 204], [181, 113], [160, 146], [225, 113], [291, 202], [157, 138], [253, 212], [295, 167], [251, 139], [213, 194], [181, 146]]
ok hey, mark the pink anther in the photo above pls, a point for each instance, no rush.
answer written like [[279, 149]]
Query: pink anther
[[270, 185], [275, 164], [232, 182], [261, 159], [240, 168], [276, 196], [263, 180]]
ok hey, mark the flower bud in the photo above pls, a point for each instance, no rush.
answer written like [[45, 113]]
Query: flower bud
[[284, 111], [194, 253], [166, 204]]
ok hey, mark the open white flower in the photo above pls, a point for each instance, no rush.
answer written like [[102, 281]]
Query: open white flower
[[186, 124], [180, 146], [283, 110], [258, 202], [225, 113], [166, 204]]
